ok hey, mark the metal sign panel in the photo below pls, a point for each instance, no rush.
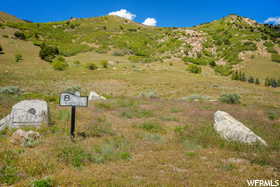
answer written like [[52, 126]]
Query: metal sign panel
[[69, 99]]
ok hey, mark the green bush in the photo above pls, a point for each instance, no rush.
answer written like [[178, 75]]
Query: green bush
[[18, 58], [194, 68], [151, 127], [275, 58], [45, 182], [104, 63], [48, 53], [200, 60], [230, 98], [223, 70], [1, 49], [59, 64], [74, 155], [20, 35], [76, 62], [91, 66]]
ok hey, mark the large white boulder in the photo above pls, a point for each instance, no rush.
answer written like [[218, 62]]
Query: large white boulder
[[233, 130], [26, 113], [93, 96]]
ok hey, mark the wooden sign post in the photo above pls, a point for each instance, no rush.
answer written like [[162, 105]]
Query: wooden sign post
[[73, 100]]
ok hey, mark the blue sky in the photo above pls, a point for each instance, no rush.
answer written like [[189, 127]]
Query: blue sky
[[166, 13]]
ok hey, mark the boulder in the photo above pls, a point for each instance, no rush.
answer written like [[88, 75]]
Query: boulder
[[233, 130], [21, 137], [93, 96], [27, 112], [4, 122]]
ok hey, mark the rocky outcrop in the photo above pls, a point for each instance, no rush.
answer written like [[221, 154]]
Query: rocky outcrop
[[233, 130], [26, 113]]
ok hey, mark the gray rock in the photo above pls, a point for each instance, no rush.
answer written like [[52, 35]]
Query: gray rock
[[26, 113], [21, 137], [233, 130], [93, 96]]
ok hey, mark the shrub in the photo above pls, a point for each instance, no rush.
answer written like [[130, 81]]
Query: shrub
[[20, 35], [1, 49], [194, 68], [121, 52], [18, 58], [151, 127], [275, 58], [45, 182], [199, 60], [230, 98], [73, 89], [59, 64], [76, 62], [223, 70], [104, 63], [272, 115], [74, 155], [113, 149], [10, 90], [91, 66], [48, 53], [251, 79]]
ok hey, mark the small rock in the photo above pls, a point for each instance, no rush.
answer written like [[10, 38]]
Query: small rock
[[93, 96], [20, 137], [236, 161], [233, 130]]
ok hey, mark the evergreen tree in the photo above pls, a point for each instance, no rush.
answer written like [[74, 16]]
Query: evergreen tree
[[273, 83], [251, 79], [257, 81], [243, 77], [266, 82]]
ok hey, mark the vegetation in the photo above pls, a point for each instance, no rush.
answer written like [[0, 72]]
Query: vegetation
[[18, 58], [59, 64], [1, 49], [275, 58], [230, 98], [48, 53], [20, 35], [91, 66], [194, 68]]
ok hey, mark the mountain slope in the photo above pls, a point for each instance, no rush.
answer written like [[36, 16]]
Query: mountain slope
[[226, 41], [4, 17]]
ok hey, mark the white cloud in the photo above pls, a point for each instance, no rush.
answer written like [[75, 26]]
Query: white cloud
[[150, 22], [124, 14], [275, 20]]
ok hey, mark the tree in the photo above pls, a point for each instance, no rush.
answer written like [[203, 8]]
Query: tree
[[243, 77], [257, 81], [20, 35], [251, 79], [48, 53], [1, 49]]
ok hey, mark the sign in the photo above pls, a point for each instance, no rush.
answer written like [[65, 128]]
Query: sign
[[73, 100], [69, 99]]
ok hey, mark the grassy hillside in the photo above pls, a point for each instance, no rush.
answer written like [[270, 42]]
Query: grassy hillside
[[132, 138]]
